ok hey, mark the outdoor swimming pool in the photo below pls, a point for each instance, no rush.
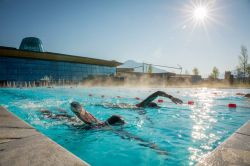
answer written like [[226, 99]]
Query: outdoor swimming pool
[[182, 133]]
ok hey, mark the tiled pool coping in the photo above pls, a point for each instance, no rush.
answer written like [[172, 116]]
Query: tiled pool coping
[[21, 144], [234, 151]]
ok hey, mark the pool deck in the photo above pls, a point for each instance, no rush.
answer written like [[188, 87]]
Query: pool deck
[[21, 144], [234, 151]]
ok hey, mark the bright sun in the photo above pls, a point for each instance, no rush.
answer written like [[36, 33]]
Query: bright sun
[[200, 13]]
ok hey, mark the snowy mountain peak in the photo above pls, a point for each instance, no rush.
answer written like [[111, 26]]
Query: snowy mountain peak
[[138, 67]]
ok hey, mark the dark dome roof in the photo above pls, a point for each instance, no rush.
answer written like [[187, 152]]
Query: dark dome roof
[[31, 44]]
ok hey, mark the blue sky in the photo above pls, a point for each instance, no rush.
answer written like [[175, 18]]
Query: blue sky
[[151, 31]]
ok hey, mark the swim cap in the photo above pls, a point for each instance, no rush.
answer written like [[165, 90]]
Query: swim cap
[[153, 105], [75, 106]]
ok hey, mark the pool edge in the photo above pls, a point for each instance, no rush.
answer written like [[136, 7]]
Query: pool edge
[[21, 144], [235, 150]]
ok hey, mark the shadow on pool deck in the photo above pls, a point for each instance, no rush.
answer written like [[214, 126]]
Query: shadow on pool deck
[[21, 144]]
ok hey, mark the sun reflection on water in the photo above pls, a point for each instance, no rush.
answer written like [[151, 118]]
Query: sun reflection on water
[[203, 120]]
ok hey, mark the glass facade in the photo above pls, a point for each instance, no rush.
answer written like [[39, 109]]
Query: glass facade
[[21, 69], [31, 44]]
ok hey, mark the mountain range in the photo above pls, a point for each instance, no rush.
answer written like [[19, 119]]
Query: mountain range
[[138, 67]]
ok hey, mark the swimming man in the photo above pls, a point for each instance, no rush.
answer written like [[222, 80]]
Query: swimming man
[[93, 123], [148, 102], [244, 95], [114, 120]]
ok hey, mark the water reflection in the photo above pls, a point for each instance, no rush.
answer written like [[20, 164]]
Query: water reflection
[[203, 120]]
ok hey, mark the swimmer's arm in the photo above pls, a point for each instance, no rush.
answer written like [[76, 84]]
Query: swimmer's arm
[[149, 99], [88, 118], [94, 119], [153, 96]]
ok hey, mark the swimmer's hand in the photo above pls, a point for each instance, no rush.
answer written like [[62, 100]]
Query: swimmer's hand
[[176, 100]]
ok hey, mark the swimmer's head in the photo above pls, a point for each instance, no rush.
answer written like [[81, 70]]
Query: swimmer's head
[[153, 105], [75, 107], [115, 120]]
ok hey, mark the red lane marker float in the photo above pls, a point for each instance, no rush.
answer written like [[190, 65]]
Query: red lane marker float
[[190, 103], [137, 98], [160, 101], [90, 95], [231, 105]]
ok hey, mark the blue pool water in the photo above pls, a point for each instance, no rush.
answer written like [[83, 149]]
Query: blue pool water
[[184, 133]]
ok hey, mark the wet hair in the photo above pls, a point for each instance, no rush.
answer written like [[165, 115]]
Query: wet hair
[[115, 120], [153, 105]]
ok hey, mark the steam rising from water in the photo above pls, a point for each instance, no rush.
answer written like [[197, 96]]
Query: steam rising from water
[[148, 81]]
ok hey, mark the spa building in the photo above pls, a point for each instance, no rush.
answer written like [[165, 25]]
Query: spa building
[[31, 63]]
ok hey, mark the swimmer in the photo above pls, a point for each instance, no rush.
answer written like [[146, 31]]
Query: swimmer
[[247, 95], [82, 116], [244, 95], [148, 102], [91, 121], [114, 120], [240, 94]]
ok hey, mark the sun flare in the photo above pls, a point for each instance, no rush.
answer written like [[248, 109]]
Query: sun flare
[[200, 13]]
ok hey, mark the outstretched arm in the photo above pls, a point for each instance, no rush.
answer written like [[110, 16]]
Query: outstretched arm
[[153, 96]]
